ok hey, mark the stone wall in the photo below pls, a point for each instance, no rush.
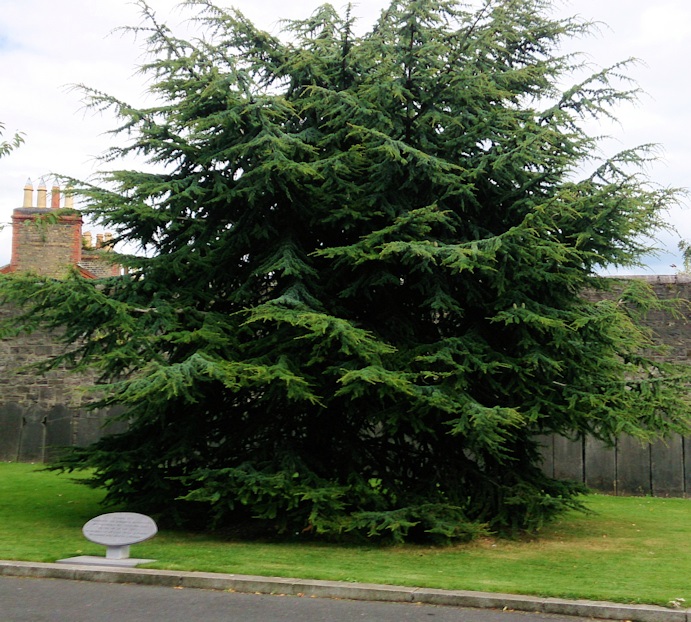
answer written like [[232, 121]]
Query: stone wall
[[672, 331], [39, 413]]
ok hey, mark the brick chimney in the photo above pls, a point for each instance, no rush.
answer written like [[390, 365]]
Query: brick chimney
[[45, 246]]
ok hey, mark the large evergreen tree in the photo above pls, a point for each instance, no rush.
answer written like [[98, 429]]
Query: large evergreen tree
[[362, 292]]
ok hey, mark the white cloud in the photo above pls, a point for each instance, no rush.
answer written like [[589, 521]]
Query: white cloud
[[665, 23]]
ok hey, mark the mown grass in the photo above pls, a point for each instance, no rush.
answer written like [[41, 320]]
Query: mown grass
[[633, 549]]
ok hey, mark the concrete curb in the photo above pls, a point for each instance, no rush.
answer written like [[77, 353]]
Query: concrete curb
[[345, 590]]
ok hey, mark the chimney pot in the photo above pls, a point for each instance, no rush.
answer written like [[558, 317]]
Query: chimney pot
[[42, 191], [69, 197], [55, 197], [28, 194]]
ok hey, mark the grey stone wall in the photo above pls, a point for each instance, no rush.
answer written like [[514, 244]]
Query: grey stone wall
[[39, 413], [672, 331]]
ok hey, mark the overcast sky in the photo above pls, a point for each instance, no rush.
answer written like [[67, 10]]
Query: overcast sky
[[48, 45]]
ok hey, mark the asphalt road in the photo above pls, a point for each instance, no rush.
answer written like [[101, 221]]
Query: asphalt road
[[58, 600]]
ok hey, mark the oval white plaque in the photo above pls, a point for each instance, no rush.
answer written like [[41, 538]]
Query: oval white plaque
[[120, 528]]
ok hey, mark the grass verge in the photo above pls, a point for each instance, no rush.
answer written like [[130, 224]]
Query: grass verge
[[631, 549]]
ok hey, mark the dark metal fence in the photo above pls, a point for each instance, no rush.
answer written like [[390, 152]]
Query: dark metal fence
[[660, 469], [31, 434]]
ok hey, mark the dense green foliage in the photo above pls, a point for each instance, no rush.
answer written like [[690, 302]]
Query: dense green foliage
[[362, 292]]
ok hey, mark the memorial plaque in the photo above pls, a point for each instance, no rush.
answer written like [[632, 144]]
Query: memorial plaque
[[120, 528], [116, 531]]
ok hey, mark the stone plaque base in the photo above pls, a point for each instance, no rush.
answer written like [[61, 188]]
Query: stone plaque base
[[93, 560]]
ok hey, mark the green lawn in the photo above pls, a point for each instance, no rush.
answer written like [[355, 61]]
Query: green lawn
[[634, 549]]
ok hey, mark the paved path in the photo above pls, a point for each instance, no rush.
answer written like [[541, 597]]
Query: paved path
[[58, 600]]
